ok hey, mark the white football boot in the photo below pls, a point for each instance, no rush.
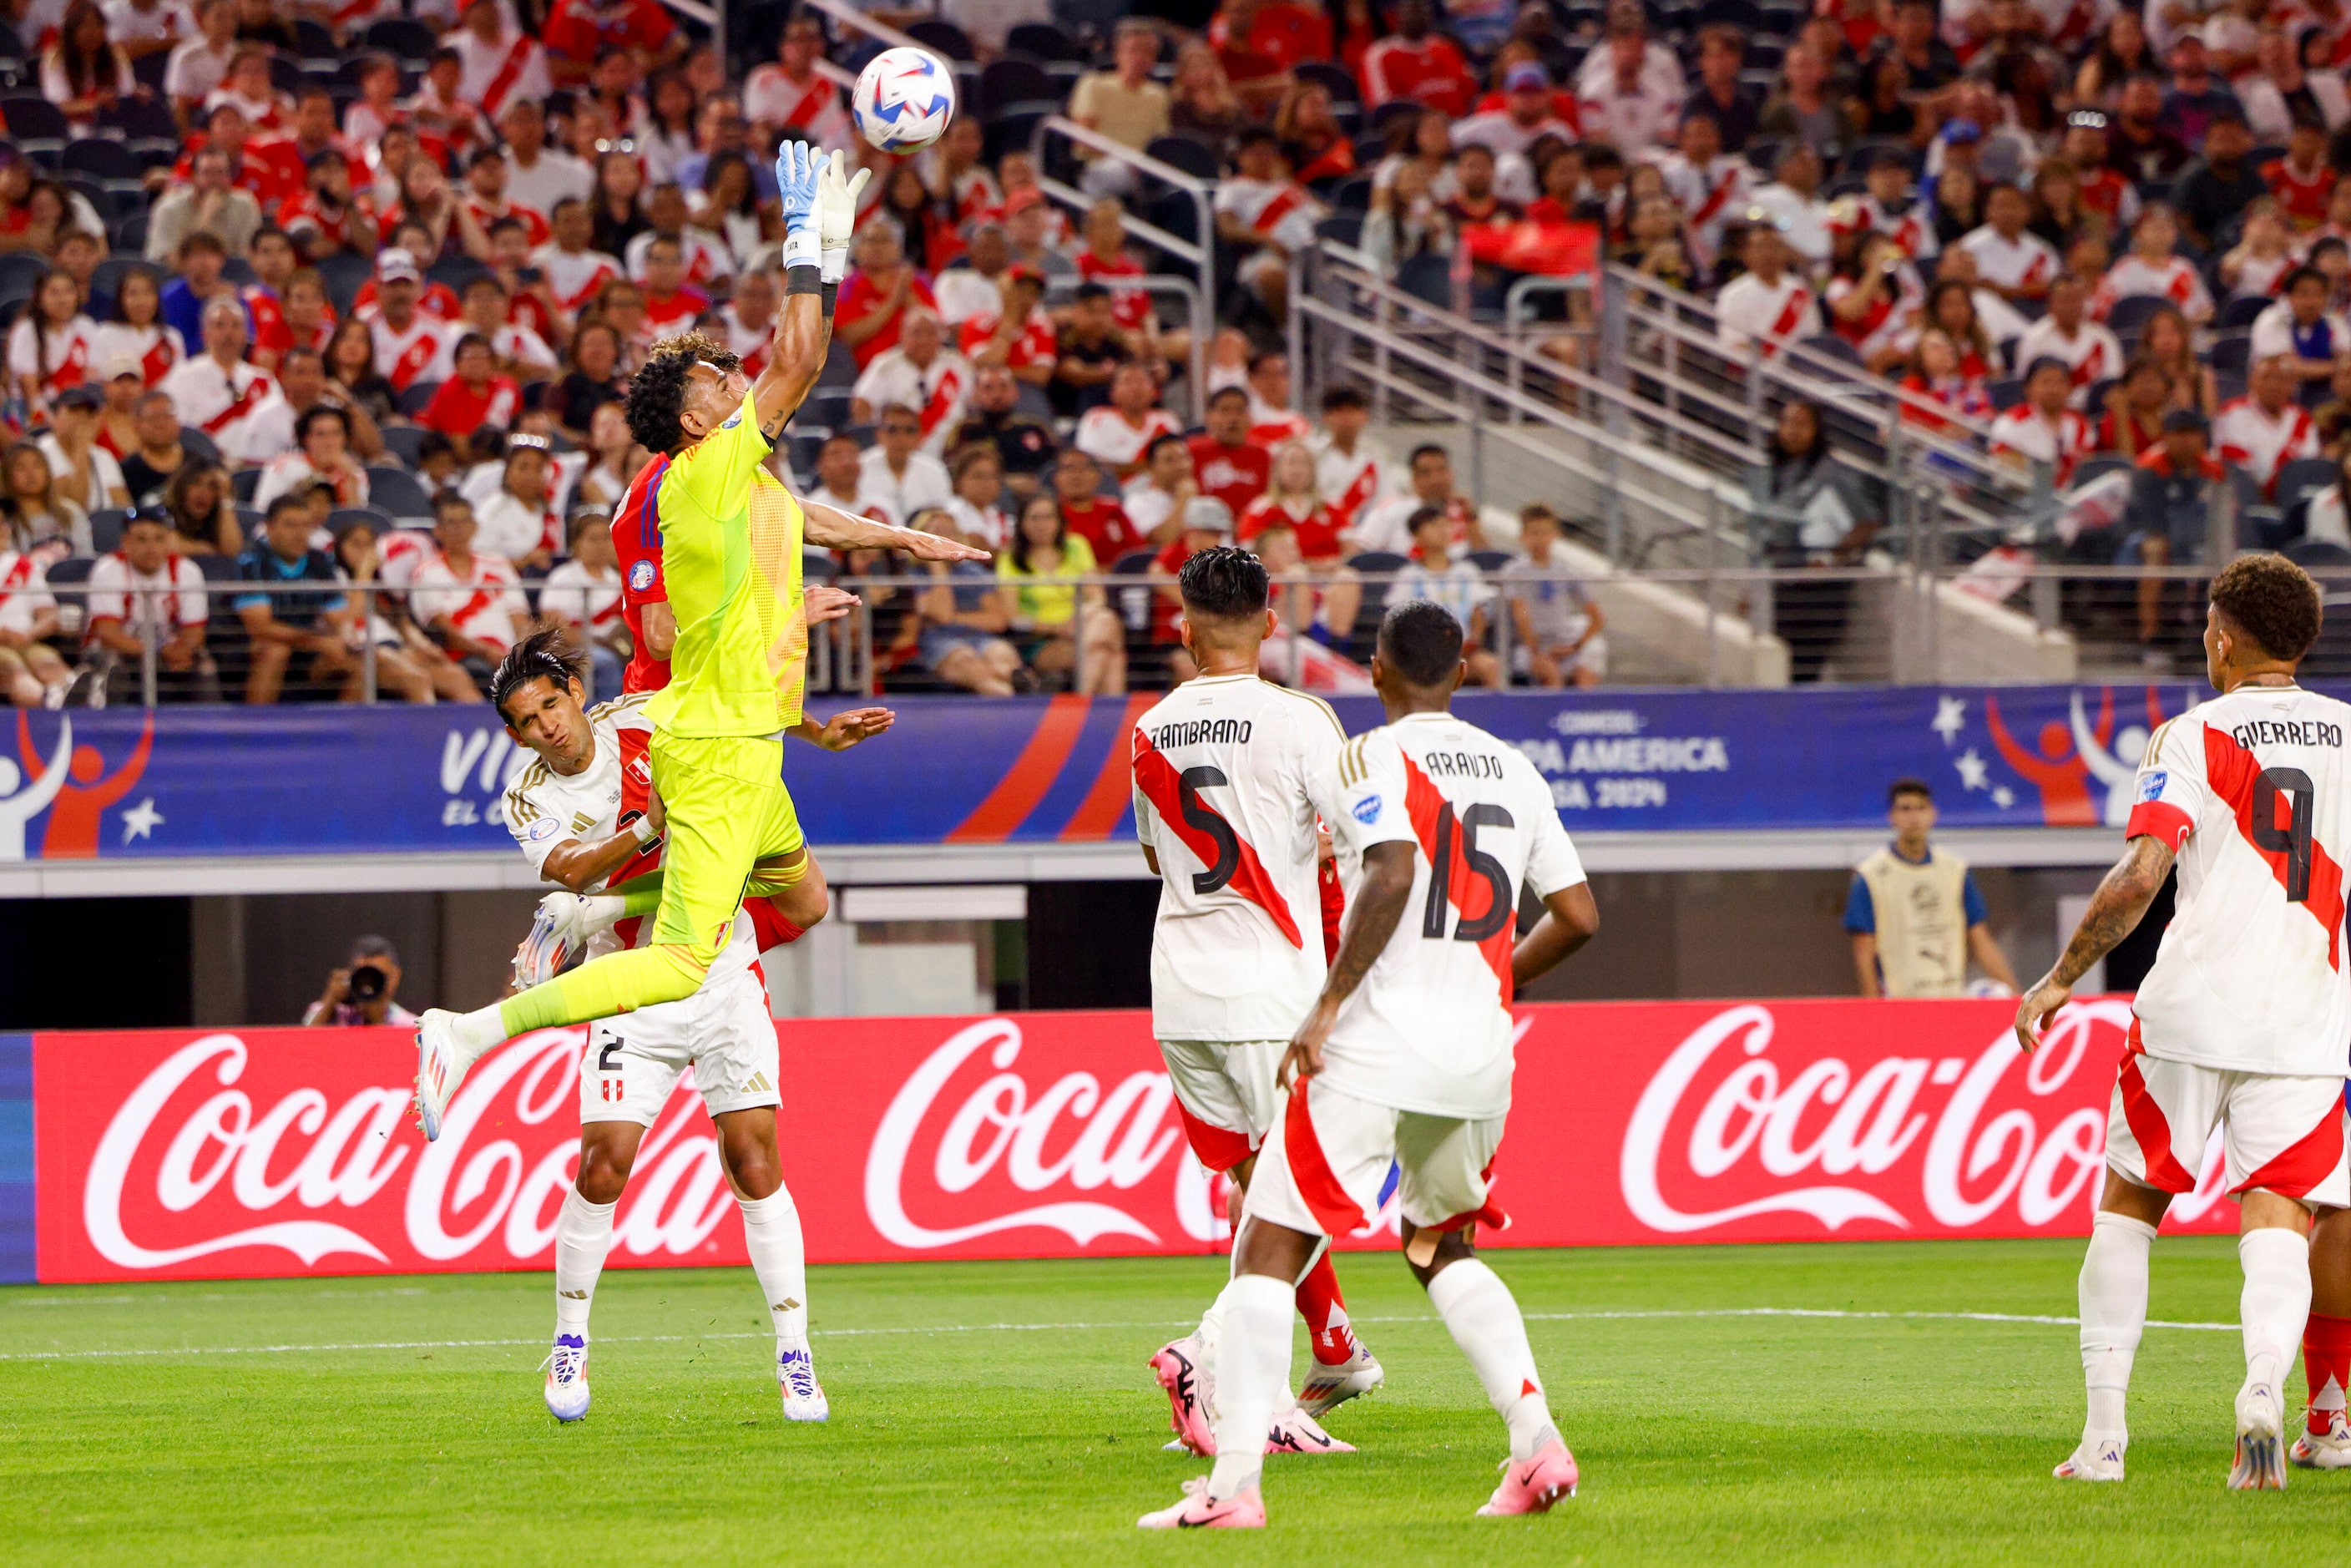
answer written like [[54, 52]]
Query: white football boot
[[1327, 1387], [2261, 1447], [2327, 1451], [567, 1376], [2097, 1459], [804, 1398], [437, 1073], [557, 930]]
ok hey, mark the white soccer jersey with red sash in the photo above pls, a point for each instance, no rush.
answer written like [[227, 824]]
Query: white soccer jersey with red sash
[[2131, 277], [1280, 210], [2024, 261], [937, 390], [1710, 197], [752, 345], [24, 592], [1350, 481], [2093, 354], [1130, 305], [1104, 435], [2061, 445], [2261, 442], [68, 350], [1910, 229], [157, 347], [1890, 322], [486, 606], [1750, 310], [1225, 767], [574, 277], [1429, 1029], [2252, 791], [770, 96], [405, 358], [494, 72], [534, 227], [2261, 276], [215, 400]]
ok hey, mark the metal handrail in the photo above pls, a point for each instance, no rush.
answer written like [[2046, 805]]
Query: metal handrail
[[1202, 191]]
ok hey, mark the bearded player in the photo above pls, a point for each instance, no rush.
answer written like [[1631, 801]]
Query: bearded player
[[1223, 770], [583, 816], [1405, 1059], [732, 537], [2242, 1024]]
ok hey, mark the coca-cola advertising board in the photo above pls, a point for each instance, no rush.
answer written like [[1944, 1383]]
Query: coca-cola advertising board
[[192, 1154]]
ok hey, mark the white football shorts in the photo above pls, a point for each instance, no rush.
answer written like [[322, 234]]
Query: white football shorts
[[724, 1033], [2280, 1134], [1226, 1093], [1324, 1162]]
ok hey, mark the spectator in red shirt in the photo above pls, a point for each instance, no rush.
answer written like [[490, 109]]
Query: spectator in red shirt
[[1018, 335], [880, 286], [473, 401], [1257, 42], [1097, 519], [1417, 64], [1229, 466], [581, 32], [1319, 148]]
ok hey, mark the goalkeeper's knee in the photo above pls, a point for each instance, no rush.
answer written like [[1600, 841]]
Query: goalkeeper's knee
[[681, 972]]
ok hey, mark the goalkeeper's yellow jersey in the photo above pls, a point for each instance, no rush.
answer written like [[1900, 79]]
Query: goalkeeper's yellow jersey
[[731, 555]]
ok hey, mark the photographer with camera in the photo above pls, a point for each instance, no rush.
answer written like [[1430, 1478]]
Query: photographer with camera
[[363, 992]]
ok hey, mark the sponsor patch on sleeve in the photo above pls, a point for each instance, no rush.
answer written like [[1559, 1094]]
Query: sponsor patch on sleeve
[[640, 575], [2150, 785], [1366, 810], [542, 829]]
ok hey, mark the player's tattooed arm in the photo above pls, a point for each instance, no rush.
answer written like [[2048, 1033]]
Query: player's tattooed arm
[[2116, 910], [829, 528], [1372, 918]]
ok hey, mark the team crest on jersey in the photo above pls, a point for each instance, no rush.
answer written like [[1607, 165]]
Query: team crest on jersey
[[542, 829], [1367, 809], [2150, 786], [641, 576]]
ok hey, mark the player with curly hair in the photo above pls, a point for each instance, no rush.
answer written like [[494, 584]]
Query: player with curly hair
[[732, 538]]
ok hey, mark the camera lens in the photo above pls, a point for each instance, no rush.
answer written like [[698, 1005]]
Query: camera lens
[[367, 983]]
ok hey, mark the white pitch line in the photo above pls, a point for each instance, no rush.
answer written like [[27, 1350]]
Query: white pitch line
[[1825, 1313]]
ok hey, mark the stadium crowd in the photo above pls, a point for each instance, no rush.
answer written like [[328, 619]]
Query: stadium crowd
[[351, 298]]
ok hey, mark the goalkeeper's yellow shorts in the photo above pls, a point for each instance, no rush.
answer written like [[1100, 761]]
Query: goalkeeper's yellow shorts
[[728, 810]]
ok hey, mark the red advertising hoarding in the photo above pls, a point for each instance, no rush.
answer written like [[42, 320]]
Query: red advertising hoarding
[[191, 1154]]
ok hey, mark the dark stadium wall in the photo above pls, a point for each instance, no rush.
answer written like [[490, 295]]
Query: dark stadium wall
[[95, 963], [1090, 943]]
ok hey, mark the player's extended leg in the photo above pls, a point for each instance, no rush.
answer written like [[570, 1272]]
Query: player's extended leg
[[2325, 1441], [2273, 1245], [772, 1234], [1484, 1320], [2112, 1294], [583, 1236], [727, 809]]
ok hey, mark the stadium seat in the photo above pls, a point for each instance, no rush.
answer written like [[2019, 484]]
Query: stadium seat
[[817, 565], [130, 232], [1045, 41], [1189, 153], [1346, 228], [1015, 127], [1490, 559], [1429, 278], [419, 393], [2006, 394], [1353, 194], [286, 74], [1393, 113], [406, 442], [2239, 313], [826, 405], [943, 37], [865, 436], [312, 41], [2303, 475], [198, 445], [101, 159], [18, 273], [455, 272], [413, 43], [1012, 80], [397, 491], [1763, 154], [1337, 77], [801, 448], [244, 484], [142, 122], [839, 366], [35, 125], [375, 520], [1090, 18], [345, 274], [1133, 604], [2231, 354], [73, 572], [239, 271], [106, 529], [2130, 316]]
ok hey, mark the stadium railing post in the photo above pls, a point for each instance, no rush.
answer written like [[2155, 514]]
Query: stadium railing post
[[147, 644]]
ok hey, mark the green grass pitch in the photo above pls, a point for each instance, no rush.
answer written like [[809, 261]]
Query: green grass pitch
[[398, 1420]]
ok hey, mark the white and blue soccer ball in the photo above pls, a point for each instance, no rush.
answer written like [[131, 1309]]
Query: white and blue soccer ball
[[903, 100]]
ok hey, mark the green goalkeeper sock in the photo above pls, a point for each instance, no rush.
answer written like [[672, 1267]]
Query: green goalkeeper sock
[[616, 983]]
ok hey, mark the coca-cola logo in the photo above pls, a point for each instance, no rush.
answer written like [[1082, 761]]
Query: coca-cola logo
[[1073, 1132], [1723, 1115]]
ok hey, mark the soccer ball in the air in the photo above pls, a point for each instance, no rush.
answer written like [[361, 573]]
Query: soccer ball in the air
[[903, 100]]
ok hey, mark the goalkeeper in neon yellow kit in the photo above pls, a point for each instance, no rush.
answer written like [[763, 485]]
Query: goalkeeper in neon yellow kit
[[731, 538]]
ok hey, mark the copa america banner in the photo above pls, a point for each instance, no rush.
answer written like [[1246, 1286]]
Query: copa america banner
[[188, 1154], [394, 781]]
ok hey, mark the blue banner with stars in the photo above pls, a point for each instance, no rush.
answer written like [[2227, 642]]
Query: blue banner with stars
[[325, 780]]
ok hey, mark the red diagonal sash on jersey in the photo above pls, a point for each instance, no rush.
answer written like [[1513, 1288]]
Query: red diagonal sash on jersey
[[1792, 314], [1156, 777], [942, 399], [157, 361], [813, 103], [1439, 831], [509, 68], [2235, 773], [1282, 203], [1716, 196], [239, 404], [1359, 492], [413, 361]]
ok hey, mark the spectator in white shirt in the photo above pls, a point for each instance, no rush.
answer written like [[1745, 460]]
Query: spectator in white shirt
[[898, 472], [201, 65], [87, 473], [1120, 433], [2302, 328], [979, 474], [1154, 500], [31, 672], [84, 73], [470, 603], [2011, 259], [921, 373], [142, 594], [518, 520], [840, 482], [539, 176], [582, 595], [146, 26], [2091, 353], [2044, 430], [2265, 430]]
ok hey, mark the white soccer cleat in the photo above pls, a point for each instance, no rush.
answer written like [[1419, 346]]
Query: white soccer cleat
[[1327, 1387], [567, 1377], [1295, 1432], [804, 1398], [2261, 1451], [557, 930], [437, 1073], [2327, 1451], [2097, 1459]]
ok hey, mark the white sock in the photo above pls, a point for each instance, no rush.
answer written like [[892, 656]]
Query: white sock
[[2113, 1295], [1252, 1376], [605, 909], [1212, 1321], [1483, 1318], [584, 1234], [2275, 1304], [772, 1234], [475, 1034]]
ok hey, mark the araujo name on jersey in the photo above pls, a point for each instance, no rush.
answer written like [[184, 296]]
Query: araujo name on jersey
[[1201, 732], [2287, 732], [1461, 765]]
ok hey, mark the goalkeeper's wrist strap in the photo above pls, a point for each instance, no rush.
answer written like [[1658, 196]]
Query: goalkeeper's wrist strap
[[834, 265], [801, 279], [802, 245]]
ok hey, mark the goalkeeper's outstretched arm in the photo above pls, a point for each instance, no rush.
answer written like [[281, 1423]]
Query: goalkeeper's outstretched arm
[[820, 202]]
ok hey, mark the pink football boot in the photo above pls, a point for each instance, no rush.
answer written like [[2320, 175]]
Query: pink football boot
[[1243, 1511], [1531, 1486], [1180, 1373]]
